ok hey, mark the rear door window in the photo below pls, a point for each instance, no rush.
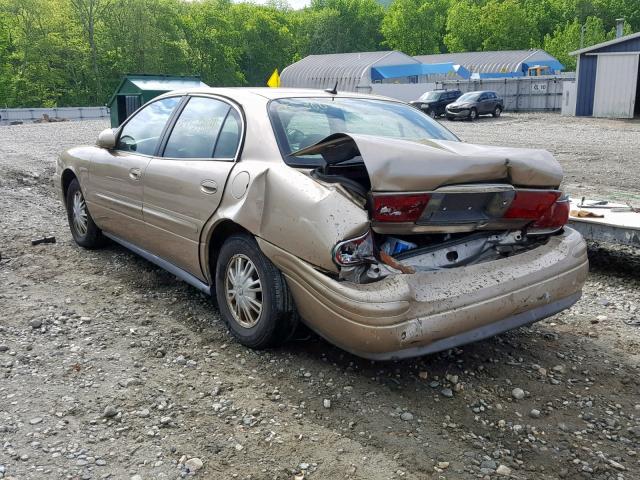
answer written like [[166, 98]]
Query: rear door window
[[197, 129], [229, 137], [142, 133]]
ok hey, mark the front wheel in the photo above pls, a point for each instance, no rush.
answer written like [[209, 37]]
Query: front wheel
[[497, 111], [473, 114], [432, 113], [83, 229], [252, 294]]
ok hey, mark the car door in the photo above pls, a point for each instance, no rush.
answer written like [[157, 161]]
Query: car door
[[183, 185], [114, 191], [447, 98], [482, 103]]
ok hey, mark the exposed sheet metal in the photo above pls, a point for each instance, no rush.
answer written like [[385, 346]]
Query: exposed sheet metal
[[399, 165]]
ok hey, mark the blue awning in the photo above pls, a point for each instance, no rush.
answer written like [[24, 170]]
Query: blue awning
[[413, 69]]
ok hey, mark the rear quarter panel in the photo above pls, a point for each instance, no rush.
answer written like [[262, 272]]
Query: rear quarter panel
[[286, 207]]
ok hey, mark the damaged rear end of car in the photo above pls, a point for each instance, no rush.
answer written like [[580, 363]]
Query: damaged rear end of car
[[423, 219], [462, 241]]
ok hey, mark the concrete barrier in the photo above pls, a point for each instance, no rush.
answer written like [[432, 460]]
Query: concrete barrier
[[28, 115]]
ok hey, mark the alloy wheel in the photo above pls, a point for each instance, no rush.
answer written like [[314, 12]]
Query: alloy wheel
[[243, 290], [80, 217]]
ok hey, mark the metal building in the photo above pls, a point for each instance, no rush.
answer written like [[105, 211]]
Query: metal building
[[608, 79], [506, 63], [352, 71], [136, 90]]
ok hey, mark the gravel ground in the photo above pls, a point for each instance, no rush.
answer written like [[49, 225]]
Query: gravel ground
[[111, 368], [599, 156]]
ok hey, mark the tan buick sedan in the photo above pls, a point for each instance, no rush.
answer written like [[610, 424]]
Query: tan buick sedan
[[357, 215]]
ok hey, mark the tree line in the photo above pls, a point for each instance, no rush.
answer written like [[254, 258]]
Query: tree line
[[73, 52]]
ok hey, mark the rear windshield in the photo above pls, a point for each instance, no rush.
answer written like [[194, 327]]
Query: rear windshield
[[302, 122]]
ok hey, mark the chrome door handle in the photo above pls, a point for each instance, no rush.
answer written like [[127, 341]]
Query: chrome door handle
[[209, 187], [135, 173]]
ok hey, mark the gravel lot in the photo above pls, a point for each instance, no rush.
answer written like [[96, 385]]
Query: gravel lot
[[599, 156], [111, 368]]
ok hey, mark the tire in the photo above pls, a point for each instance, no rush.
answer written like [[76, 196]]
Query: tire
[[276, 320], [473, 114], [450, 118], [432, 113], [83, 229], [497, 111]]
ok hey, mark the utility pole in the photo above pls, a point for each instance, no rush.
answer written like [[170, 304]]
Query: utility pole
[[619, 27]]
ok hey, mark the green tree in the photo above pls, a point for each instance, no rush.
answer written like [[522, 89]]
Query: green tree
[[5, 54], [143, 36], [47, 61], [566, 38], [266, 42], [88, 13], [415, 27], [212, 50], [464, 33], [506, 26], [336, 26]]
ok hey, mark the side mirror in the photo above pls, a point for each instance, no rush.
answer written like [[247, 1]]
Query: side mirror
[[107, 139]]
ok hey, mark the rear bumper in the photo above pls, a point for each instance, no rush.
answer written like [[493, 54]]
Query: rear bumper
[[410, 315]]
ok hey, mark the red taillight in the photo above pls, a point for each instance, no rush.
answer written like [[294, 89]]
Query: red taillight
[[554, 218], [399, 208], [532, 205]]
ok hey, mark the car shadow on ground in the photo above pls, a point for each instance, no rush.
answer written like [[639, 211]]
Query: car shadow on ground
[[624, 262]]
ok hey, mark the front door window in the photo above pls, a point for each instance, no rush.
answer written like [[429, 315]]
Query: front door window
[[142, 133]]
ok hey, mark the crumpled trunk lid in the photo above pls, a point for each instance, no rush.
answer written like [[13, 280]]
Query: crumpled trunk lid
[[395, 165]]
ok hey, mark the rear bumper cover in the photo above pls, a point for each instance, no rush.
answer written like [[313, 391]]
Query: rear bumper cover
[[410, 315]]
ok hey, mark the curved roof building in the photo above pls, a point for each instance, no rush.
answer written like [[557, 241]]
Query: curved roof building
[[506, 61], [352, 71]]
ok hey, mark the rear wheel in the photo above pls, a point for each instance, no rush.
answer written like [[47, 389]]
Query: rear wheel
[[252, 295], [497, 111], [83, 229], [473, 114]]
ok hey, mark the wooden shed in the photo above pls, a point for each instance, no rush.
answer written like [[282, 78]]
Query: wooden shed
[[134, 90]]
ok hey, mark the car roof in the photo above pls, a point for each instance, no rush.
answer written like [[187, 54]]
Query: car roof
[[240, 93], [483, 91]]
